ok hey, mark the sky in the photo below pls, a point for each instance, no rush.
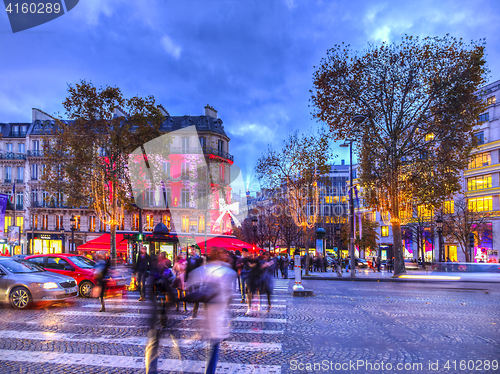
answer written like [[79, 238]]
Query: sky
[[252, 60]]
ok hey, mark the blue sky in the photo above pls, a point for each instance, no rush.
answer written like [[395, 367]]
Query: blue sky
[[250, 59]]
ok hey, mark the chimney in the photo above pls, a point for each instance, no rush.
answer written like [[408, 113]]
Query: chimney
[[210, 111], [342, 162]]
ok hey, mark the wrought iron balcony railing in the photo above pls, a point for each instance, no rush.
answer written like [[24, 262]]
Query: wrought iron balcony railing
[[36, 153], [12, 156]]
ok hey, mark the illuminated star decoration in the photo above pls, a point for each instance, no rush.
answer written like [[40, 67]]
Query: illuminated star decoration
[[229, 209]]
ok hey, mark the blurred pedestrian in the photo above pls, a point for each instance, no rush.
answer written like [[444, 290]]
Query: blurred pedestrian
[[194, 261], [379, 263], [101, 272], [252, 280], [179, 283], [286, 264], [267, 268], [218, 276], [142, 268], [244, 271]]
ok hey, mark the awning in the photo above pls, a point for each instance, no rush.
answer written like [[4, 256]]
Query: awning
[[231, 244], [102, 243]]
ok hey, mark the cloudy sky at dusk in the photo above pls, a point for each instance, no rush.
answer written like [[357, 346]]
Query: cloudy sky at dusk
[[251, 60]]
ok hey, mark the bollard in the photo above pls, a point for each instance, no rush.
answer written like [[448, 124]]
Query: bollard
[[298, 274]]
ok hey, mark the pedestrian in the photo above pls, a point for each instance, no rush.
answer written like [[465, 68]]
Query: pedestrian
[[142, 268], [252, 280], [244, 270], [194, 262], [101, 272], [338, 266], [267, 268], [286, 264], [281, 264], [378, 264], [218, 273], [179, 283], [374, 264]]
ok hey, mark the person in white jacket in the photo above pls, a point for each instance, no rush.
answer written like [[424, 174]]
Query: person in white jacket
[[221, 277]]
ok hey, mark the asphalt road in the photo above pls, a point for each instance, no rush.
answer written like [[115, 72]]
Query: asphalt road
[[347, 327]]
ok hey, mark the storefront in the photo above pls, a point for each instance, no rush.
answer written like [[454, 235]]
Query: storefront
[[45, 243]]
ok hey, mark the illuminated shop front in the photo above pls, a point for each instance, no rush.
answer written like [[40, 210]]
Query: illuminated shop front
[[407, 235], [483, 248], [45, 243]]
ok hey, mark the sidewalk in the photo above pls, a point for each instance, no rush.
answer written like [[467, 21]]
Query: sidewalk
[[368, 275]]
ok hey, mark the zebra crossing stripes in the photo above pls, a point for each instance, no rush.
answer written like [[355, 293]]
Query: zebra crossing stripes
[[132, 362]]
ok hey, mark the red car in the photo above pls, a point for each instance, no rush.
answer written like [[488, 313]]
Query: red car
[[81, 269]]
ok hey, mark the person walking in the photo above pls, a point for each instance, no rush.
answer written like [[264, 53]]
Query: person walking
[[378, 264], [267, 268], [179, 283], [142, 267], [286, 264], [244, 271], [252, 280], [194, 262], [101, 272]]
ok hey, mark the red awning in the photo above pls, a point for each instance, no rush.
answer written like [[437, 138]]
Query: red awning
[[231, 244], [102, 243]]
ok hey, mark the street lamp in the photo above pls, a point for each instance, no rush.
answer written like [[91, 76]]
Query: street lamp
[[134, 247], [439, 224], [339, 242], [348, 143], [254, 226], [73, 228]]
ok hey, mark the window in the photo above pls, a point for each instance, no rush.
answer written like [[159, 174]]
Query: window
[[485, 117], [424, 211], [59, 222], [166, 220], [36, 145], [478, 160], [184, 198], [166, 168], [34, 172], [384, 216], [56, 263], [135, 222], [78, 221], [384, 230], [45, 222], [9, 147], [480, 137], [24, 129], [34, 198], [203, 141], [479, 183], [20, 223], [19, 200], [185, 223], [8, 222], [149, 222], [449, 207], [21, 148], [201, 224], [184, 144], [169, 196], [34, 221], [20, 174], [491, 100], [220, 145], [92, 224], [8, 173], [329, 199], [481, 204], [121, 225], [102, 226], [221, 172], [45, 198], [429, 137], [185, 170]]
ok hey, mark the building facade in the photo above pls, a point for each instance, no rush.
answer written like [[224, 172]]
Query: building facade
[[44, 218]]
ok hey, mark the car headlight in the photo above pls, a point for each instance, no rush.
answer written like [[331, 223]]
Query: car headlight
[[48, 285]]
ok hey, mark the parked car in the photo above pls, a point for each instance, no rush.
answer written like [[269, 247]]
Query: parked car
[[22, 257], [81, 268], [23, 283]]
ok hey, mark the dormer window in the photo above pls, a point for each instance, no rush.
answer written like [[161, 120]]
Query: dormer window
[[15, 130]]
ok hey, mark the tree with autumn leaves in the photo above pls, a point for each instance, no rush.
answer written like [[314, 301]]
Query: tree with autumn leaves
[[420, 103], [88, 152]]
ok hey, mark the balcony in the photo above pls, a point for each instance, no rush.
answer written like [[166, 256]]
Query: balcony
[[45, 204], [12, 156], [10, 206], [7, 180], [218, 152], [34, 178], [17, 134], [19, 181], [35, 153]]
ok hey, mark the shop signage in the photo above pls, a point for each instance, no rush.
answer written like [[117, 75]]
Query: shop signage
[[46, 236]]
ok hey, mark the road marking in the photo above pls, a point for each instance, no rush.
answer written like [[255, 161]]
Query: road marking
[[258, 319], [233, 306], [134, 362]]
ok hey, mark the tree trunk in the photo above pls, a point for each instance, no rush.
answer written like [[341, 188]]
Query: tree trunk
[[399, 261], [306, 245], [114, 220]]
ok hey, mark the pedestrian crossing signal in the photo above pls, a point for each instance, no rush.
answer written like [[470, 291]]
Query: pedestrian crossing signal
[[138, 237]]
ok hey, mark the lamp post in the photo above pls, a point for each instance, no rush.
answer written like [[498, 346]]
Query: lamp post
[[73, 228], [348, 143], [339, 242], [254, 226], [134, 247], [439, 224]]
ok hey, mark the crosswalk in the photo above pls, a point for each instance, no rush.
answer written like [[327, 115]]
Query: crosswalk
[[92, 337]]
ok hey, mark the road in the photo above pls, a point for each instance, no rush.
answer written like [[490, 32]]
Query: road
[[344, 328]]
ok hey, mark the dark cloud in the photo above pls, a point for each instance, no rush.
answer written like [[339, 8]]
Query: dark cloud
[[252, 60]]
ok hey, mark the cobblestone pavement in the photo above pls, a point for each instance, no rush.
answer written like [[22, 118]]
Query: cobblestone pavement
[[344, 328]]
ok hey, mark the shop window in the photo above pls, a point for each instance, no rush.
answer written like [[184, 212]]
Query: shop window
[[185, 223], [384, 230], [452, 253], [20, 223], [8, 222], [201, 223], [92, 224]]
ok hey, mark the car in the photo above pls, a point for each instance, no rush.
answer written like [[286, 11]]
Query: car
[[22, 257], [23, 283], [82, 269], [362, 263]]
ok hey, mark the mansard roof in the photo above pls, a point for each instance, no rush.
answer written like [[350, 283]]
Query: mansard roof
[[202, 123]]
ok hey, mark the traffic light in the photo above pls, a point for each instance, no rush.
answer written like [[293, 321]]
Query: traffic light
[[471, 240]]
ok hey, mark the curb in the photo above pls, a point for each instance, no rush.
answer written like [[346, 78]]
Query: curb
[[398, 280]]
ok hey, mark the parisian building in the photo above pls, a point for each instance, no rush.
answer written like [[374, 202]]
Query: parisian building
[[45, 219]]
